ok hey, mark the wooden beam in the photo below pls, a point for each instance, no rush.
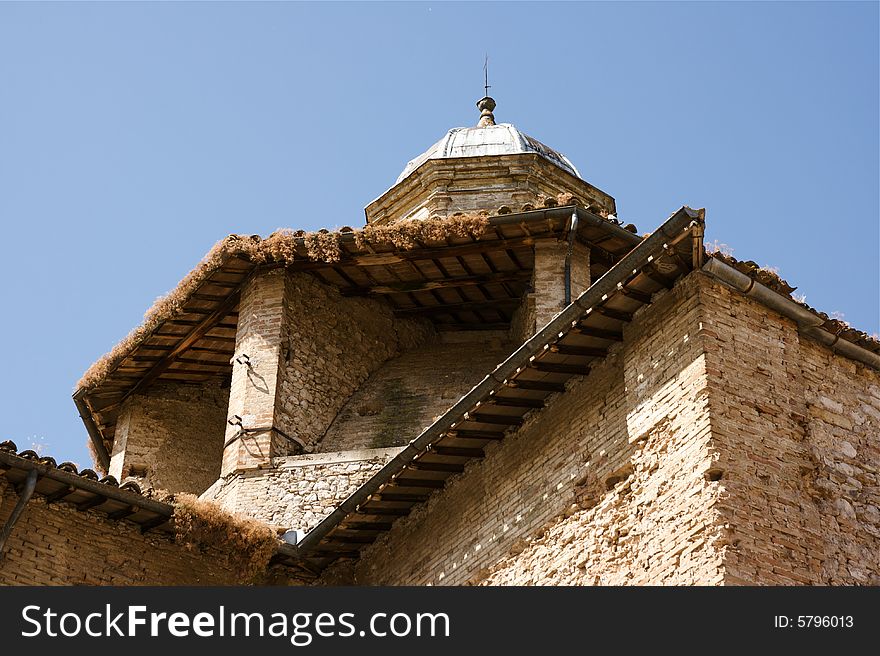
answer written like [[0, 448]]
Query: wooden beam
[[421, 465], [336, 550], [613, 314], [512, 402], [585, 351], [91, 503], [122, 513], [403, 496], [427, 285], [398, 256], [59, 494], [502, 420], [396, 512], [636, 295], [184, 323], [554, 368], [678, 259], [457, 451], [460, 434], [193, 336], [601, 333], [651, 272], [451, 308], [537, 385], [366, 526], [431, 483], [352, 539]]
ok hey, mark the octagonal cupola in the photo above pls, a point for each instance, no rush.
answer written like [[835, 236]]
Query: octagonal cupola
[[485, 167]]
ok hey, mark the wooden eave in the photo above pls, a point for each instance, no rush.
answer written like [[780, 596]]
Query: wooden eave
[[459, 283]]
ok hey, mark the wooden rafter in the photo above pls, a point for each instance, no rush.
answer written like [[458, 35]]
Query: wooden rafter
[[197, 333]]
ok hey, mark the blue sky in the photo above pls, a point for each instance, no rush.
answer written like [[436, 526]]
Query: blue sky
[[134, 136]]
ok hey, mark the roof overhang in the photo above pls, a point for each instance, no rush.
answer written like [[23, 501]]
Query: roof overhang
[[458, 279]]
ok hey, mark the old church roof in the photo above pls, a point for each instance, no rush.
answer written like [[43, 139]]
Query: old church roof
[[487, 138], [419, 267]]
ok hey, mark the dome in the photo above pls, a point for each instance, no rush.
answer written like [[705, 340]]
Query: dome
[[487, 138]]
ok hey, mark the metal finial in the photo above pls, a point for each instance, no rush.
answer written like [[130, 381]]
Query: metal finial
[[486, 104], [486, 74]]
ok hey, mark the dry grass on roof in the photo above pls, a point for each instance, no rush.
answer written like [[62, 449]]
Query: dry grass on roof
[[282, 247], [769, 277], [246, 544]]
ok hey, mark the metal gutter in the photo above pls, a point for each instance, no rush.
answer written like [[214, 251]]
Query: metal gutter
[[24, 496], [808, 323], [92, 429], [677, 226]]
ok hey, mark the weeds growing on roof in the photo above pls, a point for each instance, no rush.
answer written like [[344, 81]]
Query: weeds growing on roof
[[247, 545]]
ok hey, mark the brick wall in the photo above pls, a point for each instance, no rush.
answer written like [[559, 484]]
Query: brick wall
[[714, 446], [608, 485], [57, 545], [253, 388], [797, 435], [171, 437], [547, 297]]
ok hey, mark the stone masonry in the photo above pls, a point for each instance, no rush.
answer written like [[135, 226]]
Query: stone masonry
[[252, 394], [300, 490], [390, 408], [796, 437], [713, 446], [171, 437], [308, 349], [410, 391]]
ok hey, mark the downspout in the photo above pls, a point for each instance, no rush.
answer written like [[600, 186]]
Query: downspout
[[572, 231], [807, 323], [30, 484], [92, 429]]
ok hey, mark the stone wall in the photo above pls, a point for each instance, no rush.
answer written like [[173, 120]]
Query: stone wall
[[57, 545], [410, 391], [171, 437], [796, 431], [308, 350], [331, 345], [610, 484], [300, 490]]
